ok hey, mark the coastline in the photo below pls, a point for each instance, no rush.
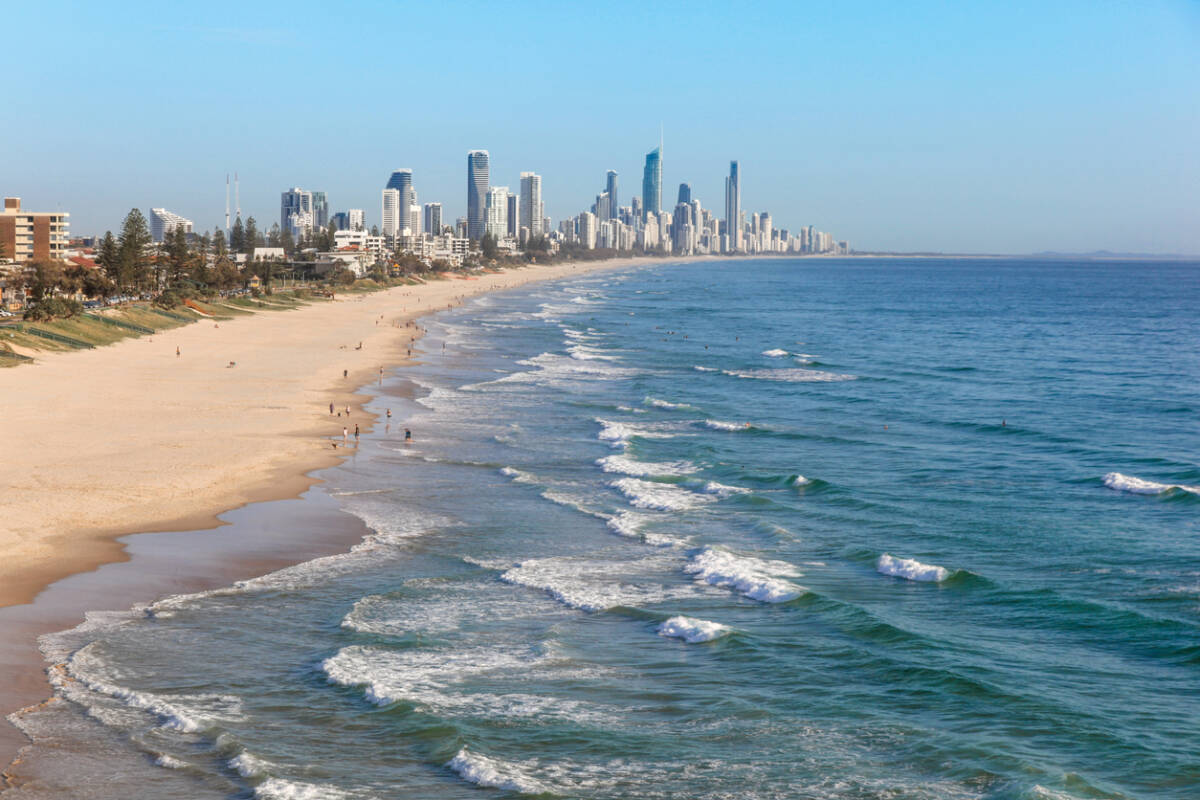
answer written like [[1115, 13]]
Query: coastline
[[223, 448]]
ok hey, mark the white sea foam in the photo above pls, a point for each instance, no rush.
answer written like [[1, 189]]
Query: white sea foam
[[630, 466], [249, 765], [584, 352], [718, 425], [699, 368], [776, 353], [518, 476], [597, 584], [657, 403], [1128, 483], [632, 410], [788, 375], [281, 789], [721, 490], [799, 480], [755, 578], [659, 496], [692, 630], [170, 762], [619, 433], [911, 569], [493, 773]]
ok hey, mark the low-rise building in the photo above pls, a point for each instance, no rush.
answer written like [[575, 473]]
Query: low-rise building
[[32, 236]]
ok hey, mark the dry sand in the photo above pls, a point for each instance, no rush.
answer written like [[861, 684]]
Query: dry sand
[[131, 437]]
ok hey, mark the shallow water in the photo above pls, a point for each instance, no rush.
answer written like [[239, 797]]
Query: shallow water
[[885, 529]]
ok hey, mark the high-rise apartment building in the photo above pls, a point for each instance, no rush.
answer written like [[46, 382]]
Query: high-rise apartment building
[[652, 183], [401, 181], [496, 212], [296, 212], [514, 216], [685, 193], [433, 219], [610, 186], [32, 236], [390, 218], [357, 219], [531, 203], [320, 210], [163, 223], [733, 207], [477, 191]]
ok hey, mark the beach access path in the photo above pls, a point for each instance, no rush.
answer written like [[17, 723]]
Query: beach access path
[[131, 437]]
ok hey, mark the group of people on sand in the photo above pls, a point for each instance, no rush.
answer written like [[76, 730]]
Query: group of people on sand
[[408, 437]]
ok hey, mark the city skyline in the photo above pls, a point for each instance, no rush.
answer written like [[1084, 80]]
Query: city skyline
[[999, 128]]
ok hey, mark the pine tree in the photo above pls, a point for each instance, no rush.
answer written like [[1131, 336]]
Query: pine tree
[[252, 237], [109, 258], [275, 236], [133, 251], [237, 237], [178, 255]]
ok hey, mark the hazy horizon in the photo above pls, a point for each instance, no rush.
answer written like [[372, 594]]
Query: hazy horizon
[[997, 128]]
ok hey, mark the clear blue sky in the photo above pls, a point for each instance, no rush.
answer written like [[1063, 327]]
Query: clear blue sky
[[954, 126]]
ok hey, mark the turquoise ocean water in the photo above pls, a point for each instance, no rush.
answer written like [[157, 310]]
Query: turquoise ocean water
[[756, 529]]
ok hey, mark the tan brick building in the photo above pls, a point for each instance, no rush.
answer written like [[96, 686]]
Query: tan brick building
[[29, 236]]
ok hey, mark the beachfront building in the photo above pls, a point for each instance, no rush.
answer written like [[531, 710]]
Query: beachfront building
[[163, 223], [390, 216], [433, 219], [733, 210], [496, 212], [477, 190], [296, 212], [320, 210], [513, 229], [401, 181], [531, 203], [356, 219], [32, 236], [652, 183], [610, 188]]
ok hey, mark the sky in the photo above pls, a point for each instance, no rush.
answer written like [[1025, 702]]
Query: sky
[[985, 127]]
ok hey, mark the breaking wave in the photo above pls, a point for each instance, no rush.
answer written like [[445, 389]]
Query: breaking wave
[[911, 569], [755, 578]]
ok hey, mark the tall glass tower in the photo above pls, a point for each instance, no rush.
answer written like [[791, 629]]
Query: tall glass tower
[[733, 207], [477, 189], [610, 186], [401, 181], [652, 183], [685, 193]]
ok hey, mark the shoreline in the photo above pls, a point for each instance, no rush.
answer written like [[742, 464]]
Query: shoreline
[[31, 575]]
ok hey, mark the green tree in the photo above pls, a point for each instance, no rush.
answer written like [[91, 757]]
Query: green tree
[[330, 237], [287, 242], [274, 236], [109, 257], [178, 256], [199, 271], [252, 237], [237, 237], [133, 251], [488, 245]]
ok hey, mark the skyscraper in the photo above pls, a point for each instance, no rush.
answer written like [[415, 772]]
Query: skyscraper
[[433, 219], [531, 203], [652, 183], [514, 216], [357, 219], [401, 181], [685, 193], [320, 210], [296, 211], [610, 186], [390, 218], [496, 212], [477, 190], [733, 207]]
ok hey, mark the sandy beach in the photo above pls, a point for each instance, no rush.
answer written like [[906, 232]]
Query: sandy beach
[[133, 438]]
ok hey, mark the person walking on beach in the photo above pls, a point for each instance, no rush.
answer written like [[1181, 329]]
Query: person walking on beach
[[331, 409], [177, 351], [356, 434], [407, 436], [345, 373], [345, 434]]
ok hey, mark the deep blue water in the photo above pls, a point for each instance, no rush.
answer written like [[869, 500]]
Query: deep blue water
[[780, 529]]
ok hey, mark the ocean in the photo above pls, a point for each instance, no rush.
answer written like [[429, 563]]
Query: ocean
[[866, 529]]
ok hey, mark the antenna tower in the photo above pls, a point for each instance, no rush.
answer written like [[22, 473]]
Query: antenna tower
[[226, 204], [237, 203]]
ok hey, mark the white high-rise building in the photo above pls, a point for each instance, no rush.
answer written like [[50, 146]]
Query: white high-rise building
[[531, 203], [496, 212], [433, 219], [391, 213], [356, 219], [163, 222], [587, 230]]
